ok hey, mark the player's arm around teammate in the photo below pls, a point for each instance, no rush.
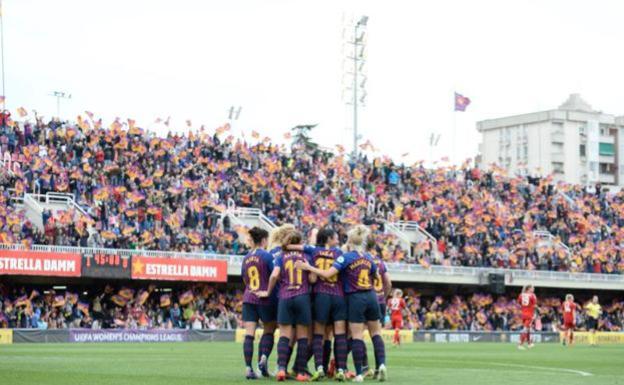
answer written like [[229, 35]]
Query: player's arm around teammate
[[293, 307], [358, 272]]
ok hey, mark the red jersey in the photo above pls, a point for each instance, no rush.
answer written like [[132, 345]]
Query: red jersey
[[568, 308], [396, 306], [527, 301]]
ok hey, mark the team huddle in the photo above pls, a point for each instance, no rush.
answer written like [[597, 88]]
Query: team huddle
[[313, 295], [316, 295]]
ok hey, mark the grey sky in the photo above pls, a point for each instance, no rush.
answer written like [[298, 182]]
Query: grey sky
[[282, 61]]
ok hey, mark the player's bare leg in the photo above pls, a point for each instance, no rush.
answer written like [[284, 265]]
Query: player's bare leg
[[528, 338], [523, 338]]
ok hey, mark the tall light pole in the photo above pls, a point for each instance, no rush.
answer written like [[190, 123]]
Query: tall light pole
[[359, 45], [234, 114], [2, 54], [434, 139], [60, 95]]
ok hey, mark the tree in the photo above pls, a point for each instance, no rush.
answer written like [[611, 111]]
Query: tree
[[302, 140]]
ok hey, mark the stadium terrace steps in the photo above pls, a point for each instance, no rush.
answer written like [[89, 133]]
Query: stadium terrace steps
[[411, 233], [36, 204], [547, 239], [248, 217]]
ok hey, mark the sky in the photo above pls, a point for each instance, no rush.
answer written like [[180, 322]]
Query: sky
[[283, 62]]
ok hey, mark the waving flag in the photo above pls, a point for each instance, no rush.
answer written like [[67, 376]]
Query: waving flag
[[461, 102], [186, 297], [83, 307], [165, 300]]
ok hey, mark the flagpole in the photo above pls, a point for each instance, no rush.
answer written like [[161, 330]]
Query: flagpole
[[2, 53], [453, 157]]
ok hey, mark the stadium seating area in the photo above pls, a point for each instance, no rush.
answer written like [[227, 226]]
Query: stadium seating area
[[166, 193], [212, 307]]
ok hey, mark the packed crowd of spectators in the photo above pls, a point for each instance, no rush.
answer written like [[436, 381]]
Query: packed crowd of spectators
[[204, 306], [192, 307], [484, 312], [168, 193]]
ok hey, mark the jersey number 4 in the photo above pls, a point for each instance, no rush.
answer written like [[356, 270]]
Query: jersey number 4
[[364, 279]]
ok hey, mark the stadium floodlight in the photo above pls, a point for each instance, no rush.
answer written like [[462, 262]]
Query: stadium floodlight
[[234, 113], [60, 95], [358, 55]]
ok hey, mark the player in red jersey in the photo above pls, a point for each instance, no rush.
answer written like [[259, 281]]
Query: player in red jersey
[[568, 308], [396, 306], [527, 301]]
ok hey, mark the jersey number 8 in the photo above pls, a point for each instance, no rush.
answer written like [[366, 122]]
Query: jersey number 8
[[254, 278]]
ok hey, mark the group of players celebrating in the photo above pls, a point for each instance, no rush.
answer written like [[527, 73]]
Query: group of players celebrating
[[313, 295], [316, 294]]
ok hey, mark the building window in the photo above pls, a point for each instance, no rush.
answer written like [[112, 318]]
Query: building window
[[606, 168], [582, 150], [606, 149], [557, 167]]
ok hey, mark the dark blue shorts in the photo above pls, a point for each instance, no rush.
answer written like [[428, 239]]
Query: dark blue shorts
[[363, 306], [382, 313], [329, 308], [253, 313], [295, 311]]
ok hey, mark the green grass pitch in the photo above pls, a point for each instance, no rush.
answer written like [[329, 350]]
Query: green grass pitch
[[221, 363]]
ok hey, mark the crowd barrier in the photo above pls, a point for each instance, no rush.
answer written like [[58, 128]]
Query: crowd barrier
[[8, 336], [111, 335], [602, 338]]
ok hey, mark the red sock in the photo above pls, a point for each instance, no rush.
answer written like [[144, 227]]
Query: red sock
[[528, 336], [397, 339], [571, 336]]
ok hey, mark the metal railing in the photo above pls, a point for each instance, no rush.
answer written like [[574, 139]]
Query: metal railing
[[124, 253], [393, 267], [57, 198], [540, 275], [414, 226], [394, 230], [251, 213], [543, 234]]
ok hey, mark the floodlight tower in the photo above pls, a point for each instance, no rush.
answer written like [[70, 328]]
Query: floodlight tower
[[357, 56], [60, 95]]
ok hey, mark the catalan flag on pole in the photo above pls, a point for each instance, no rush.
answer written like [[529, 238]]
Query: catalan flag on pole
[[461, 102]]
